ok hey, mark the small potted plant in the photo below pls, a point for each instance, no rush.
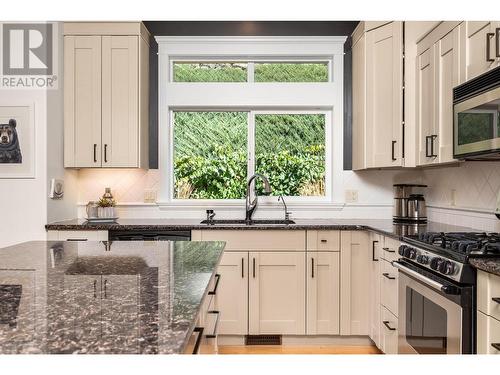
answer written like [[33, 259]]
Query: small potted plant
[[106, 208]]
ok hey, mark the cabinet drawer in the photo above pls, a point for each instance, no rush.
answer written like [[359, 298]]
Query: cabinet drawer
[[390, 249], [389, 287], [488, 334], [323, 240], [388, 331], [77, 235], [258, 240], [488, 294]]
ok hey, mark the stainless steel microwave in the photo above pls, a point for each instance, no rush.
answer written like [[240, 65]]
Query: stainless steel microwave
[[476, 124]]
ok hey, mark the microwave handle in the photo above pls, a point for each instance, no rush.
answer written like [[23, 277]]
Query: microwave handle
[[488, 46]]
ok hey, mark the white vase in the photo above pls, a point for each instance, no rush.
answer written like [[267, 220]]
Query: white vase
[[106, 212]]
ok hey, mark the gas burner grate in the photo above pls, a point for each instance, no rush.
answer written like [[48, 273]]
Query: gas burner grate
[[468, 243]]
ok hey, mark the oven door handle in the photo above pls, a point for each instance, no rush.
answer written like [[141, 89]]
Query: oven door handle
[[447, 289]]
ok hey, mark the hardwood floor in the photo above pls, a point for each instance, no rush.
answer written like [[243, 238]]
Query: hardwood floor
[[291, 349]]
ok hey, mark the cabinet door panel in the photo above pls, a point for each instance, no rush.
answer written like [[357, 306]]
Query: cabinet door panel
[[376, 244], [389, 287], [358, 104], [475, 42], [277, 293], [120, 102], [323, 288], [447, 75], [384, 93], [388, 332], [82, 101], [425, 105], [232, 294]]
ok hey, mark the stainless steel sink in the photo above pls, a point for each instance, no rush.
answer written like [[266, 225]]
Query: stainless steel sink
[[245, 222]]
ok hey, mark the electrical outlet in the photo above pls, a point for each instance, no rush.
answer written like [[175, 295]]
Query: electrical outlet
[[351, 196], [453, 197], [149, 196]]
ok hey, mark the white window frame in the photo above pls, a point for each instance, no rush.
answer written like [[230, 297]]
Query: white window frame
[[255, 98]]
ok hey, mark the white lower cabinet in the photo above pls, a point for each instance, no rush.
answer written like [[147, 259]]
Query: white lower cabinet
[[388, 332], [323, 297], [277, 293], [376, 243], [232, 295], [77, 235], [488, 334], [389, 286], [488, 313]]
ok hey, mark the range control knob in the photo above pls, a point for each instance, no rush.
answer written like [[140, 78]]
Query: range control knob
[[447, 267], [435, 263], [422, 259], [401, 250], [407, 251], [410, 253]]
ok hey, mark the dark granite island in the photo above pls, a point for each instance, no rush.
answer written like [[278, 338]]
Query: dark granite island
[[103, 297]]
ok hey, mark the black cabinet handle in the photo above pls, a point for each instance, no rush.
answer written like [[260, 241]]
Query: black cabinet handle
[[312, 268], [197, 344], [393, 151], [496, 346], [105, 289], [496, 299], [95, 288], [105, 153], [324, 241], [254, 268], [77, 239], [488, 37], [497, 44], [242, 268], [213, 292], [388, 250], [386, 275], [427, 153], [386, 323], [213, 335], [95, 152], [373, 251]]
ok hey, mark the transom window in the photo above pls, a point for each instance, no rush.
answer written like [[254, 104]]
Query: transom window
[[231, 107]]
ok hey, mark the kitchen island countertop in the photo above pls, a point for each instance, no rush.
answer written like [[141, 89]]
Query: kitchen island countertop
[[103, 297]]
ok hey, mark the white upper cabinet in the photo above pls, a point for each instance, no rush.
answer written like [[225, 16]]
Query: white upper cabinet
[[106, 71], [480, 52], [439, 69], [378, 96], [384, 93], [82, 101]]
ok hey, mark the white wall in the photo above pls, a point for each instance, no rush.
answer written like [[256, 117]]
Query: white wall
[[25, 208]]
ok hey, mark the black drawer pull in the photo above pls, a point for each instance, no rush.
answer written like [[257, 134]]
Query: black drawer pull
[[496, 299], [197, 344], [216, 326], [254, 268], [386, 324], [95, 152], [105, 153], [312, 268], [488, 37], [213, 292], [324, 241], [388, 250], [386, 275], [242, 268], [373, 251], [496, 346], [77, 239]]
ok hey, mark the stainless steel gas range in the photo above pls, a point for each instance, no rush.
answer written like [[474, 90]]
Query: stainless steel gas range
[[437, 291]]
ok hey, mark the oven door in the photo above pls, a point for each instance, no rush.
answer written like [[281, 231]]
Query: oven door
[[476, 125], [430, 321]]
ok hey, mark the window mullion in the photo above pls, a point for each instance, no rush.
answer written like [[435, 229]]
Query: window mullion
[[250, 72], [251, 144]]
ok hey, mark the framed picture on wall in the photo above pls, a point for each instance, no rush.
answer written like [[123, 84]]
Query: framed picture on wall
[[17, 141]]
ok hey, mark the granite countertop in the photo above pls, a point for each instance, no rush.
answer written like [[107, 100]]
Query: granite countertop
[[385, 227], [103, 297], [491, 265]]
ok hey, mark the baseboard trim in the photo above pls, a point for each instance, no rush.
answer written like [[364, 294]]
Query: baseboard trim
[[303, 340]]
